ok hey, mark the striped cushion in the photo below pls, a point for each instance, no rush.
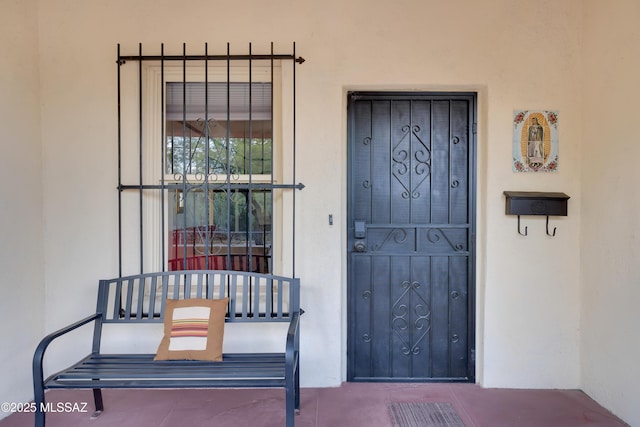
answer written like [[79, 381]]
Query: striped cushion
[[189, 328], [193, 330]]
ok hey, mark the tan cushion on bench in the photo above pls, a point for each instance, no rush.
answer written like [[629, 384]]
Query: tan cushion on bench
[[193, 330]]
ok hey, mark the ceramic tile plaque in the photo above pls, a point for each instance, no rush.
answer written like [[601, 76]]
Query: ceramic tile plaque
[[535, 141]]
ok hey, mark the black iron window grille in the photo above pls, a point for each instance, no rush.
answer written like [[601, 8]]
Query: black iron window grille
[[206, 161]]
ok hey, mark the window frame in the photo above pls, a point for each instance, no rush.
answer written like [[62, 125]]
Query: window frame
[[154, 79]]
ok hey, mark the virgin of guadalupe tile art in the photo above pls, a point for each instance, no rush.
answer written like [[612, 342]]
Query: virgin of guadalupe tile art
[[535, 141]]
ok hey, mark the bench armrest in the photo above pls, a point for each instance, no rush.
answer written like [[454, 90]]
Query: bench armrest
[[293, 340], [38, 357]]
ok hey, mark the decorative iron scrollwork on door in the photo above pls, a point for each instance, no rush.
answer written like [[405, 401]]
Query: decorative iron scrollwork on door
[[411, 160], [397, 236], [409, 317], [434, 235]]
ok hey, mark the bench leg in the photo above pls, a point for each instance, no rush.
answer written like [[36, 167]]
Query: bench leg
[[290, 406], [291, 398], [97, 400], [40, 420], [297, 391], [38, 397]]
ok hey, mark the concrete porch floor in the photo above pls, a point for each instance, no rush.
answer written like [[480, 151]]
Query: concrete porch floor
[[352, 404]]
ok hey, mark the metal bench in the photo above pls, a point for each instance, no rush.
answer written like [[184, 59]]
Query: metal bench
[[140, 299]]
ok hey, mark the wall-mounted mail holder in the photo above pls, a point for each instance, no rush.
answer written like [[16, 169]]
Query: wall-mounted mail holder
[[536, 203]]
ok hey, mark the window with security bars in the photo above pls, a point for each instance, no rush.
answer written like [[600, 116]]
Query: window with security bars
[[216, 193]]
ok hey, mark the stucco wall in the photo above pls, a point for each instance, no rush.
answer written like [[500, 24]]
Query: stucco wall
[[21, 255], [515, 57], [611, 207], [514, 54]]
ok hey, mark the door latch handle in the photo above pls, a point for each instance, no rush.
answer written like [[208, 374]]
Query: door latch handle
[[359, 229], [359, 246]]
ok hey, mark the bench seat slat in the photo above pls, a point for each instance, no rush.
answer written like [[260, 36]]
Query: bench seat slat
[[122, 367], [227, 359]]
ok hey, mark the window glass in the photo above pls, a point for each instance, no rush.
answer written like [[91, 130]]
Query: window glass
[[221, 134]]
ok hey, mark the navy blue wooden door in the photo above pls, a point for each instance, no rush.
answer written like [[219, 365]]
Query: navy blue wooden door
[[411, 237]]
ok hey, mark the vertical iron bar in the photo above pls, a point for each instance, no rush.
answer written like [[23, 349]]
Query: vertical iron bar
[[262, 138], [228, 158], [372, 174], [207, 165], [173, 154], [119, 63], [271, 167], [271, 90], [184, 156], [410, 158], [448, 285], [140, 158], [471, 141], [176, 200], [250, 192], [293, 219], [411, 296], [194, 225], [261, 256], [162, 158], [431, 126], [415, 235], [431, 282], [450, 163], [391, 147], [191, 150]]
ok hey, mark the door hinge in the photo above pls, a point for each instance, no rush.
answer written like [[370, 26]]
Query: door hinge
[[474, 128], [473, 356]]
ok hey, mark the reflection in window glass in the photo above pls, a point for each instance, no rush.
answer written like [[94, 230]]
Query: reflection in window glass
[[216, 227]]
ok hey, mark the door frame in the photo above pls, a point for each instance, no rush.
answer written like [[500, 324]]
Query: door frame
[[472, 97]]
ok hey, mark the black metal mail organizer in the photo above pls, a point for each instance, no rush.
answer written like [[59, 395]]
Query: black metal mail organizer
[[140, 299], [536, 203]]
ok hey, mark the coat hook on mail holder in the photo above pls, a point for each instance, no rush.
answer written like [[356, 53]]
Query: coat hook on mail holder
[[525, 228], [554, 228]]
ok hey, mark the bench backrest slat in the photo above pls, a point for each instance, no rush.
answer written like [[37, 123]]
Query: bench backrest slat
[[152, 294], [118, 297], [253, 297], [141, 291]]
